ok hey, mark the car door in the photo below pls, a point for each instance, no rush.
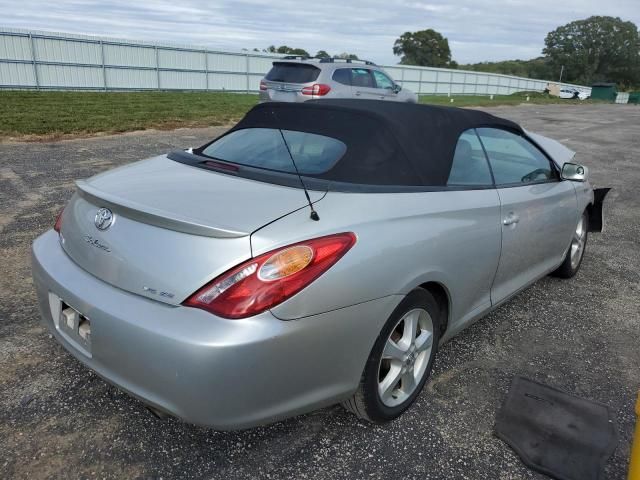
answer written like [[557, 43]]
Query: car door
[[385, 85], [363, 85], [538, 211], [473, 241]]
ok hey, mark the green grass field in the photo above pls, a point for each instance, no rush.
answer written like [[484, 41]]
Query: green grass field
[[55, 114], [28, 115]]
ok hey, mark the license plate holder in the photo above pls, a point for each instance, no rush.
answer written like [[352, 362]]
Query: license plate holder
[[73, 325], [279, 96]]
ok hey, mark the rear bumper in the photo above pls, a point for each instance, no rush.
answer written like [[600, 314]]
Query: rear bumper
[[292, 97], [226, 374]]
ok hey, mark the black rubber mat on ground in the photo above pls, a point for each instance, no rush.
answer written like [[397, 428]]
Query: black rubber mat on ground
[[561, 435]]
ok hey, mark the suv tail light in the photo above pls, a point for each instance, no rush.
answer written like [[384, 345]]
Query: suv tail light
[[263, 86], [319, 89], [269, 279]]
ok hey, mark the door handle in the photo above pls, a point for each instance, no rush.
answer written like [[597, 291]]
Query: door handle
[[511, 219], [358, 94]]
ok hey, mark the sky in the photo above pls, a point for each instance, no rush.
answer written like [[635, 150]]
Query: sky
[[478, 30]]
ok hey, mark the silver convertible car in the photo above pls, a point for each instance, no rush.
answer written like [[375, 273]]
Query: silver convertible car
[[316, 253]]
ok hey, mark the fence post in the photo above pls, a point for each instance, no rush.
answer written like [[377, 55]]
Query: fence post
[[420, 82], [247, 69], [206, 69], [155, 47], [104, 70], [33, 62]]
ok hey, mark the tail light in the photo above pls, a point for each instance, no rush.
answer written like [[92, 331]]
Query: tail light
[[269, 279], [58, 224], [319, 89], [263, 86]]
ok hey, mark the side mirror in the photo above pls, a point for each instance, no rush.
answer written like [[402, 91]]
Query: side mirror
[[574, 172], [396, 88]]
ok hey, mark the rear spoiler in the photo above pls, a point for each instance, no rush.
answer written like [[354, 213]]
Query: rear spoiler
[[152, 216], [596, 219]]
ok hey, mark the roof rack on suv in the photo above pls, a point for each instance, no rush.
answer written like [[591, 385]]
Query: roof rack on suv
[[326, 60], [346, 60]]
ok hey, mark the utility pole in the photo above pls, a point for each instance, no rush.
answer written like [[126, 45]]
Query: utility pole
[[561, 72]]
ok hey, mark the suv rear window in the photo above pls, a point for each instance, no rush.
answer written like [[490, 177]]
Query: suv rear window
[[264, 148], [292, 73]]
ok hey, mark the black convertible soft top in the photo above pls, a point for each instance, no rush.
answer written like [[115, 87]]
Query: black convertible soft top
[[391, 146], [388, 143]]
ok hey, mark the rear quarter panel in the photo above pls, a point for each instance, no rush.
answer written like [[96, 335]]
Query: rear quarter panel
[[404, 240]]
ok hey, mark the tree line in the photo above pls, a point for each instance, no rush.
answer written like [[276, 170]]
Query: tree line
[[597, 49], [303, 53]]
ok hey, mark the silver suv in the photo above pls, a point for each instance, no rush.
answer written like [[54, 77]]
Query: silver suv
[[298, 79]]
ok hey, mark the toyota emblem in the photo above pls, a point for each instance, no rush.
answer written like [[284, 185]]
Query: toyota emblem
[[104, 218]]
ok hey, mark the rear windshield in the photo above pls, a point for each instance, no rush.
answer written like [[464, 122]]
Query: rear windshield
[[328, 144], [264, 148], [292, 73]]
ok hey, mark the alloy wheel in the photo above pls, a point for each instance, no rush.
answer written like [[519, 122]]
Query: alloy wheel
[[405, 357], [578, 242]]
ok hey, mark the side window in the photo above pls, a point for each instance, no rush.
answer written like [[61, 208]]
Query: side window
[[343, 76], [361, 77], [514, 159], [469, 165], [382, 81]]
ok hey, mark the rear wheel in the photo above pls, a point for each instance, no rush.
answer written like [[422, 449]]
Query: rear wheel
[[400, 361], [573, 259]]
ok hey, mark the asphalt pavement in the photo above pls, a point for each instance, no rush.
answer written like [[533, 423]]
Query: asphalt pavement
[[58, 420]]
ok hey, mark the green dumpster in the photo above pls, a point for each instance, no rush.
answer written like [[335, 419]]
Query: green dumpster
[[604, 91], [634, 97]]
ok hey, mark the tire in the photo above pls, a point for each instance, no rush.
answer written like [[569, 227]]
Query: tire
[[407, 357], [573, 259]]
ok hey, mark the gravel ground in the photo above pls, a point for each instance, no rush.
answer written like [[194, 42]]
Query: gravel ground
[[58, 420]]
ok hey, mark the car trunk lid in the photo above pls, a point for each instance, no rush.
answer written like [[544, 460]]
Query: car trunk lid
[[174, 227]]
